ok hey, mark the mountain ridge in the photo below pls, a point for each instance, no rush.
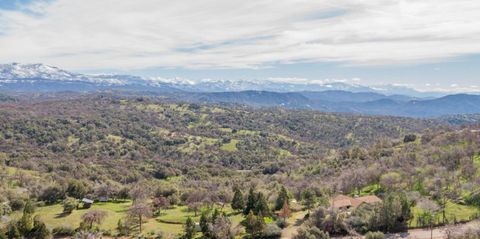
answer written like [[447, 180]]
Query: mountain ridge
[[16, 73], [331, 97]]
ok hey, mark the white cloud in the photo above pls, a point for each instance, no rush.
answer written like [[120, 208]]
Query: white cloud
[[92, 34]]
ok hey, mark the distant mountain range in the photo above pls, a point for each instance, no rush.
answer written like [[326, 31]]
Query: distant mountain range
[[42, 78], [347, 102], [39, 77], [332, 97]]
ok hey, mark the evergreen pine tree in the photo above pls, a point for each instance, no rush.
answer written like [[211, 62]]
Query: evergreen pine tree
[[25, 224], [282, 198], [215, 215], [261, 206], [39, 230], [309, 198], [251, 199], [253, 225], [29, 208], [238, 202], [204, 220], [189, 229]]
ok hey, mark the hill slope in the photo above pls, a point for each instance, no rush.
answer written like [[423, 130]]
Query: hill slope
[[105, 130]]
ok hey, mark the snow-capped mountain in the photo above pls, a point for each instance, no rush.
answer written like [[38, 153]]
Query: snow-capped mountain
[[324, 96], [24, 71], [210, 85], [39, 77], [16, 72]]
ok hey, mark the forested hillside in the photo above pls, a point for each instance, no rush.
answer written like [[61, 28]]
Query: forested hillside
[[191, 160], [158, 136]]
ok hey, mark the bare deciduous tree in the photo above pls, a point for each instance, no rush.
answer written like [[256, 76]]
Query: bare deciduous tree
[[140, 210], [93, 217]]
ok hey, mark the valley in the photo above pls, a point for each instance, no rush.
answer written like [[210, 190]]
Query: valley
[[214, 119], [191, 161]]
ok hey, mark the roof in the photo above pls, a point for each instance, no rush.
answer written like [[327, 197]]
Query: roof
[[370, 199], [342, 201], [86, 200], [356, 202]]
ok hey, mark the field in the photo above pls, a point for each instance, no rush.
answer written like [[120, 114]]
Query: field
[[231, 146], [454, 212], [169, 223]]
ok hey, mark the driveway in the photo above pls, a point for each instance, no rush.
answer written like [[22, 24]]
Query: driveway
[[294, 223]]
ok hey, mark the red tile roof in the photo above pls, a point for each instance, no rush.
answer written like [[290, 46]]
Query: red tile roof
[[370, 199], [342, 201]]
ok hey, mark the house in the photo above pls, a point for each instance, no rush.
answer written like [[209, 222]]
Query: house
[[103, 199], [370, 199], [343, 202], [87, 203]]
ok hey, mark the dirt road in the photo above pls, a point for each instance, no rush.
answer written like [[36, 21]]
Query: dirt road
[[294, 223], [437, 233]]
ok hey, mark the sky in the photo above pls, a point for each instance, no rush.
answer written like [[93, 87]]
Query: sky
[[427, 44]]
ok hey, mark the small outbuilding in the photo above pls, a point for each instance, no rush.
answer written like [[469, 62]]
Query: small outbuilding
[[103, 199], [87, 203]]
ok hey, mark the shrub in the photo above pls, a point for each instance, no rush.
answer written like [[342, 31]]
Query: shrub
[[271, 231], [409, 138], [473, 200], [123, 228], [107, 233], [69, 205], [17, 204], [311, 232], [63, 231], [374, 235], [39, 230], [2, 234], [52, 194], [5, 209]]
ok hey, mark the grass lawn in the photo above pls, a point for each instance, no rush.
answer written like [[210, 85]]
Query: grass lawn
[[453, 212], [170, 223], [232, 146], [178, 215], [52, 215], [371, 189]]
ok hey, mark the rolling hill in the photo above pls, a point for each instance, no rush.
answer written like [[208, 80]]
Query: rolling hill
[[328, 97]]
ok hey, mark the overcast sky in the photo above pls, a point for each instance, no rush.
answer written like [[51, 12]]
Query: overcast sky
[[426, 44]]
